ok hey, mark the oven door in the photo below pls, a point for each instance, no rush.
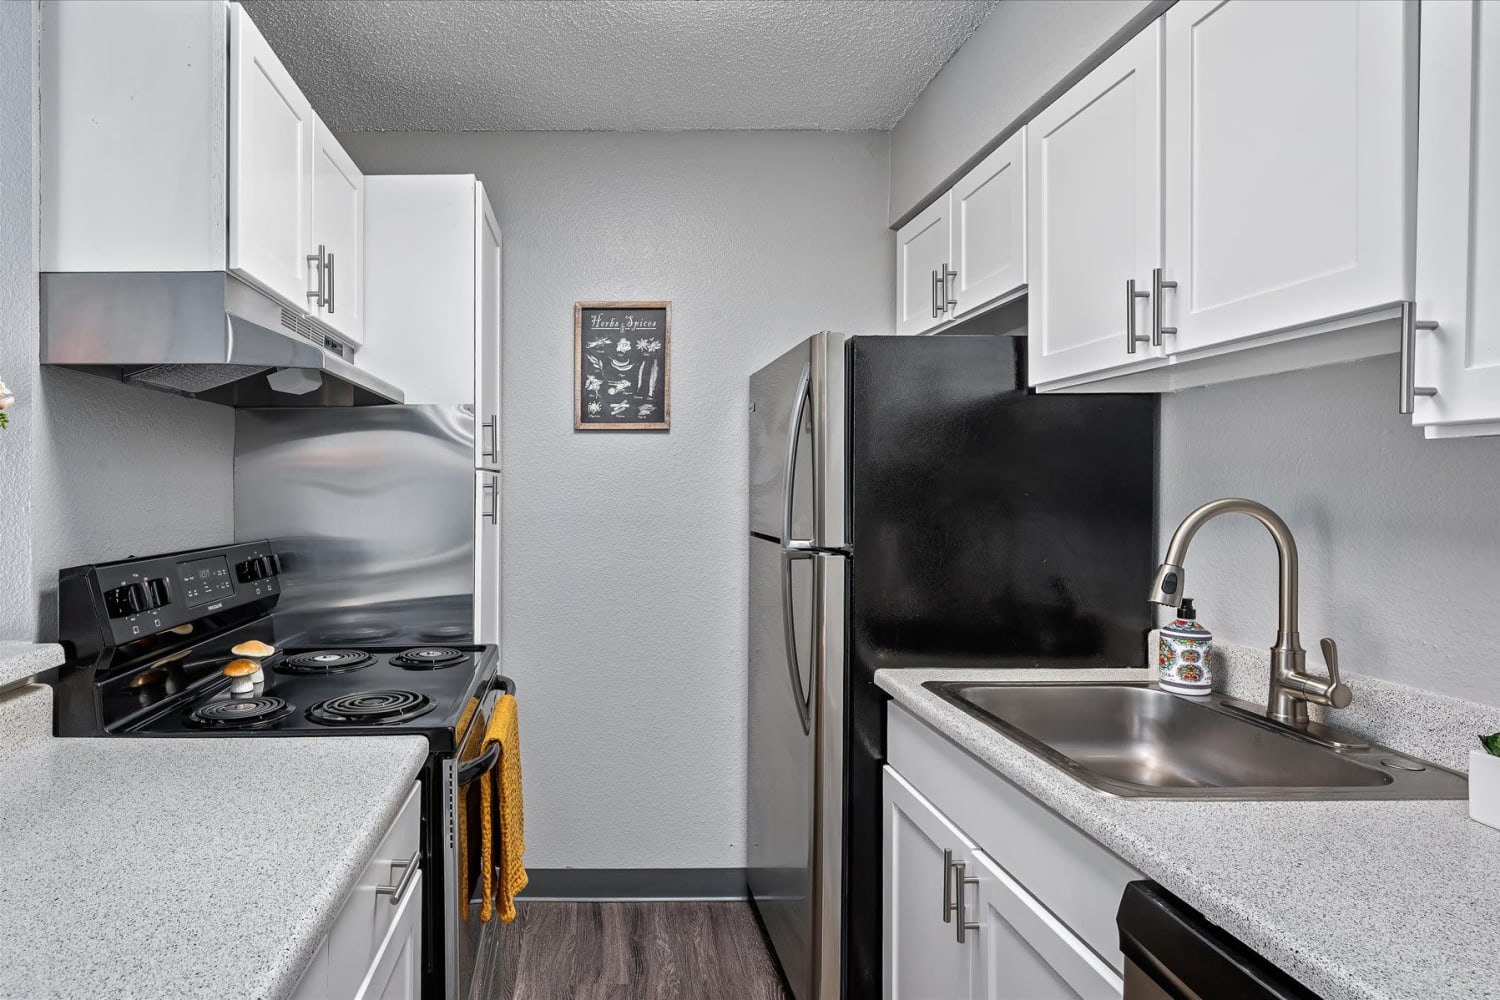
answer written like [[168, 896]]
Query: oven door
[[471, 945]]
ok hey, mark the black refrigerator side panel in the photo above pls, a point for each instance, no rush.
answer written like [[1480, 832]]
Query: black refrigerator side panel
[[989, 526]]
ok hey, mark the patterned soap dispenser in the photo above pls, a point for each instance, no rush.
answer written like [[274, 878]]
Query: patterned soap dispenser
[[1182, 654]]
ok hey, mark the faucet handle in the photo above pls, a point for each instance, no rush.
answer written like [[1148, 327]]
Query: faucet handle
[[1339, 694]]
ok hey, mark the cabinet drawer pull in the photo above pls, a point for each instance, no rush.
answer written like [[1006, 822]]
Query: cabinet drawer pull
[[316, 259], [962, 882], [492, 451], [1157, 330], [1131, 339], [397, 892], [947, 886], [949, 302], [331, 273], [1409, 388]]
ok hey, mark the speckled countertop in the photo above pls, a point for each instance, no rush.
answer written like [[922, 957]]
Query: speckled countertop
[[1363, 900], [20, 660], [180, 868]]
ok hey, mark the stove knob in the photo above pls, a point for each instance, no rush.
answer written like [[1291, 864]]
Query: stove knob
[[126, 600], [158, 594], [252, 569]]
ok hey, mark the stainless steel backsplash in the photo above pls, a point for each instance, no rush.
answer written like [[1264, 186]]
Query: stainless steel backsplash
[[365, 505]]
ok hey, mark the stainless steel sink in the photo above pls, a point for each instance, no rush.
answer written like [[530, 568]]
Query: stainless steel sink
[[1136, 740]]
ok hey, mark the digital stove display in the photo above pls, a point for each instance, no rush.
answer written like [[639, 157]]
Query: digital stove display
[[205, 580]]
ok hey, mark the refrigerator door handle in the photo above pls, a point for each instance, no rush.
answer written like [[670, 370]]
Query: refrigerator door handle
[[795, 547], [802, 699]]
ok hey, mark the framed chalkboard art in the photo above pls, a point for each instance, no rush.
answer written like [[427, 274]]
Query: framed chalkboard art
[[622, 369]]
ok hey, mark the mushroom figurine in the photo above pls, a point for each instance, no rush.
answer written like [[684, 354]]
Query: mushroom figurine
[[244, 676]]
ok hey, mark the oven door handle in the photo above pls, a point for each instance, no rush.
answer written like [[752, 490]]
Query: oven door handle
[[473, 769]]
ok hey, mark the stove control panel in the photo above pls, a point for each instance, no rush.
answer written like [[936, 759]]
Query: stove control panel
[[135, 598]]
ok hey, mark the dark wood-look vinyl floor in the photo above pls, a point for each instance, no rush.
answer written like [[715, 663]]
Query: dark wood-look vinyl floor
[[637, 951]]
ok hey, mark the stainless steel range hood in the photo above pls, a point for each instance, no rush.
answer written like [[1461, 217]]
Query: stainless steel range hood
[[204, 334]]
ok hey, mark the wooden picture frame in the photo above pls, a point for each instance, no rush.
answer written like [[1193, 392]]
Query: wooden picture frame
[[622, 366]]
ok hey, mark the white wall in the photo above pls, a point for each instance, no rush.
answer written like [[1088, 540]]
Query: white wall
[[1024, 50], [1399, 536], [625, 554], [18, 311], [89, 469]]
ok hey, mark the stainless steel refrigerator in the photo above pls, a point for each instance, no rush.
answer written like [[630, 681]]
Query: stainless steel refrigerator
[[912, 504]]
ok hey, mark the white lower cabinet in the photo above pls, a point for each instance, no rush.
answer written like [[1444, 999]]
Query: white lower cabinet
[[374, 951], [1036, 898], [958, 926]]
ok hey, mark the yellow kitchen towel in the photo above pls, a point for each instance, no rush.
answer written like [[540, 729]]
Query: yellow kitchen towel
[[505, 808]]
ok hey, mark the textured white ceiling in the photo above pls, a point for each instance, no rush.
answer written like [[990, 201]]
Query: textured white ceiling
[[626, 65]]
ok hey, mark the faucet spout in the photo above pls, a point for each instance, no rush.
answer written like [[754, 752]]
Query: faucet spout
[[1291, 687]]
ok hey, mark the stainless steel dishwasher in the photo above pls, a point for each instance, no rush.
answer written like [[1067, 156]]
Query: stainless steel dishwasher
[[1173, 953]]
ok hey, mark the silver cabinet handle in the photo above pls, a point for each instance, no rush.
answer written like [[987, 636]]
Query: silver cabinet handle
[[937, 310], [410, 868], [1409, 388], [961, 881], [949, 302], [1157, 330], [331, 273], [492, 490], [493, 451], [948, 906], [316, 259], [1131, 339]]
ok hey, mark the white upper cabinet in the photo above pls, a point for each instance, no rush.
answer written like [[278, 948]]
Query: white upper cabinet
[[1094, 217], [1287, 190], [922, 248], [1458, 220], [271, 127], [338, 235], [432, 296], [987, 246]]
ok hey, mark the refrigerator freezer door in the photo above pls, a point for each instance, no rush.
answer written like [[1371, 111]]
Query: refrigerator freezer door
[[782, 764], [781, 439]]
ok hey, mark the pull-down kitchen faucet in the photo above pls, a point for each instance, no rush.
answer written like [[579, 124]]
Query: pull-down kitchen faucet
[[1291, 687]]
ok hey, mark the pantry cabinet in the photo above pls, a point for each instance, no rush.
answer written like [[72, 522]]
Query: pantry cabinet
[[1094, 218], [958, 926], [1287, 165], [1458, 223], [987, 235], [433, 254]]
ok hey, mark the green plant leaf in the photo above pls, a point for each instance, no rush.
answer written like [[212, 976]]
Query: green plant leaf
[[1491, 743]]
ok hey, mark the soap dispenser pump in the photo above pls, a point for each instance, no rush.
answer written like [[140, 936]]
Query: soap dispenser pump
[[1183, 654]]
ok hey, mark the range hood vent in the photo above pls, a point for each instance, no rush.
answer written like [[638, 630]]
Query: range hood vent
[[204, 334]]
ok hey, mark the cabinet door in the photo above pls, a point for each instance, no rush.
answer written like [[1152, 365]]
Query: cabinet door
[[420, 298], [923, 959], [921, 259], [1287, 178], [339, 228], [270, 168], [487, 551], [487, 335], [988, 243], [314, 982], [1025, 953], [1093, 216], [1458, 219], [396, 972]]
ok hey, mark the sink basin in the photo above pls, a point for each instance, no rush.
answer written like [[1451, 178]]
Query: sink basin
[[1137, 740]]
